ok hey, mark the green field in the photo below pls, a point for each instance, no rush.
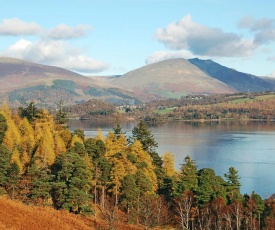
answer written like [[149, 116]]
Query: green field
[[163, 111], [256, 98]]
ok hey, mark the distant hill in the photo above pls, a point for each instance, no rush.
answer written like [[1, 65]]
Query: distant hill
[[170, 79], [242, 82], [174, 78], [47, 85], [91, 109]]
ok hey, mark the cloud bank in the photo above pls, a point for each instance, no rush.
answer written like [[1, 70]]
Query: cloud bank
[[57, 53], [203, 40], [50, 47], [188, 39], [17, 27]]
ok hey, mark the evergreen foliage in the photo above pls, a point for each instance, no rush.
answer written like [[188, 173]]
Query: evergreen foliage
[[3, 127], [30, 111]]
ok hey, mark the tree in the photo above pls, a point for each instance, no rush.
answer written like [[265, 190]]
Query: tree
[[189, 177], [117, 130], [129, 196], [210, 186], [79, 133], [3, 127], [5, 157], [41, 184], [61, 117], [71, 188], [169, 164], [233, 183], [143, 134], [183, 206], [29, 111]]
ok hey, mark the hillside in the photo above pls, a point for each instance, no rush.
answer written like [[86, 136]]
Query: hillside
[[91, 109], [47, 85], [170, 79], [15, 215], [242, 82]]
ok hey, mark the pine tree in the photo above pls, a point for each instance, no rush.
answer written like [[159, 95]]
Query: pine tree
[[5, 157], [72, 184], [3, 127], [233, 184], [188, 178], [41, 184], [143, 134], [29, 111], [61, 116]]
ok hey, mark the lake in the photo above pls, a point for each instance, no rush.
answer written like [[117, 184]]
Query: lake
[[249, 146]]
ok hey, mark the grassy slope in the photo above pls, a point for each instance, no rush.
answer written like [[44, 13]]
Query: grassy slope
[[257, 98], [15, 215]]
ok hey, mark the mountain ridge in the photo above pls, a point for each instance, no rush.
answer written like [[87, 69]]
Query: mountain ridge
[[171, 78], [240, 81]]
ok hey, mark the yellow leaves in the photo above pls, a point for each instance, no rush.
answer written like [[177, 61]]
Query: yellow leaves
[[15, 159], [45, 154], [115, 145], [75, 139], [59, 145], [12, 136], [5, 110], [99, 135], [27, 132], [142, 156], [169, 164]]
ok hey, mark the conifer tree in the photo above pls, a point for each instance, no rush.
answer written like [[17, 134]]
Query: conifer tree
[[5, 157], [72, 184], [188, 178], [61, 116], [29, 111], [41, 184], [143, 134], [233, 183], [3, 127]]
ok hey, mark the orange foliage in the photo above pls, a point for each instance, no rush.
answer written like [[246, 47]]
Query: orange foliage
[[15, 215]]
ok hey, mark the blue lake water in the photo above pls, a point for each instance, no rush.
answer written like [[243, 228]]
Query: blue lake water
[[248, 146]]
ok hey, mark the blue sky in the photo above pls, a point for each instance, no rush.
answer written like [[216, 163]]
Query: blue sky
[[108, 37]]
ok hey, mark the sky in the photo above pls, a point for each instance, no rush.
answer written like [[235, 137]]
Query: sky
[[112, 37]]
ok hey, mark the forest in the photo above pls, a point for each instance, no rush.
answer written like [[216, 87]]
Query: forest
[[239, 106], [118, 179]]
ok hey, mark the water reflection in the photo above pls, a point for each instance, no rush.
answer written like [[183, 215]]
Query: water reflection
[[249, 146]]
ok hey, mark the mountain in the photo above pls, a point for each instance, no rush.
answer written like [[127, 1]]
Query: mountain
[[170, 79], [47, 85], [242, 82]]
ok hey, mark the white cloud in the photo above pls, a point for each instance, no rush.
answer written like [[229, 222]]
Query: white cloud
[[63, 31], [203, 40], [16, 26], [164, 55], [263, 29], [54, 52]]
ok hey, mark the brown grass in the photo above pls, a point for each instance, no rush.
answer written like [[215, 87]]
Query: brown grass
[[15, 215]]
